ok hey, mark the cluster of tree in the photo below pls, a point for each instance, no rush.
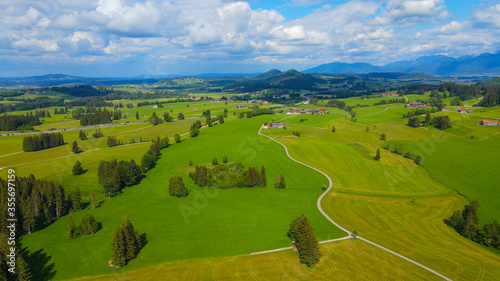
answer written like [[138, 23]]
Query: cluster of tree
[[390, 101], [31, 104], [154, 119], [38, 204], [377, 155], [464, 92], [151, 95], [467, 224], [195, 128], [100, 117], [419, 111], [60, 111], [14, 122], [176, 187], [259, 111], [441, 122], [90, 102], [254, 178], [81, 91], [78, 113], [491, 96], [88, 226], [180, 116], [126, 244], [167, 117], [113, 176], [149, 158], [209, 121], [414, 122], [82, 135], [229, 176], [418, 89], [113, 141], [296, 133], [398, 149], [40, 113], [157, 103], [42, 141], [280, 182], [302, 236], [130, 105], [351, 112], [455, 102], [97, 134]]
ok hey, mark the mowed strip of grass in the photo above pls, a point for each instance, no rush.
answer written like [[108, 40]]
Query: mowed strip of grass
[[208, 223], [464, 158], [400, 206], [344, 260], [470, 166], [415, 228]]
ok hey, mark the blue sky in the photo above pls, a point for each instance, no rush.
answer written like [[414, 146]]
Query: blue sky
[[125, 38]]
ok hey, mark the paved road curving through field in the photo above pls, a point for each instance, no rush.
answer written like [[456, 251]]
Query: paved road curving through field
[[318, 204]]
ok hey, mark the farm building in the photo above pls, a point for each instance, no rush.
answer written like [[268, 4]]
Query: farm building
[[278, 125], [241, 106], [416, 104], [489, 123], [461, 110]]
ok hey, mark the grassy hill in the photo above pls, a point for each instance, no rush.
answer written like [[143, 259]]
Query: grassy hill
[[224, 222]]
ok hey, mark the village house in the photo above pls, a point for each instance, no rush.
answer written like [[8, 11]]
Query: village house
[[489, 123], [241, 106], [278, 125], [417, 104], [461, 110]]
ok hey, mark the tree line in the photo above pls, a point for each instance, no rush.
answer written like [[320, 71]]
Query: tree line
[[42, 141], [228, 176], [114, 176], [390, 101], [88, 226], [38, 204], [15, 122], [466, 222], [100, 117]]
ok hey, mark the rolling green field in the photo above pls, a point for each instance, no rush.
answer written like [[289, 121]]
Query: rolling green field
[[399, 205], [210, 234], [344, 260], [230, 222]]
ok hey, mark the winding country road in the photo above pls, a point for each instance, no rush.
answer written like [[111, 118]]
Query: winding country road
[[349, 234]]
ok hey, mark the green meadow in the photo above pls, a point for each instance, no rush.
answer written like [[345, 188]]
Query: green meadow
[[208, 223], [400, 205], [210, 233]]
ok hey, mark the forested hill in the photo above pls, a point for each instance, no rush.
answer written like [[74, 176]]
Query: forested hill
[[291, 80]]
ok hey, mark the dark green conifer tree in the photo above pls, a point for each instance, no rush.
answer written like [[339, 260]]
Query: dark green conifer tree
[[262, 178]]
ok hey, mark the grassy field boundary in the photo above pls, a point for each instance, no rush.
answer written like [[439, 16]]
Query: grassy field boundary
[[330, 184]]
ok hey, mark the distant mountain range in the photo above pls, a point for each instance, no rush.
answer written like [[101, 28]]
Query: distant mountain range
[[485, 64]]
